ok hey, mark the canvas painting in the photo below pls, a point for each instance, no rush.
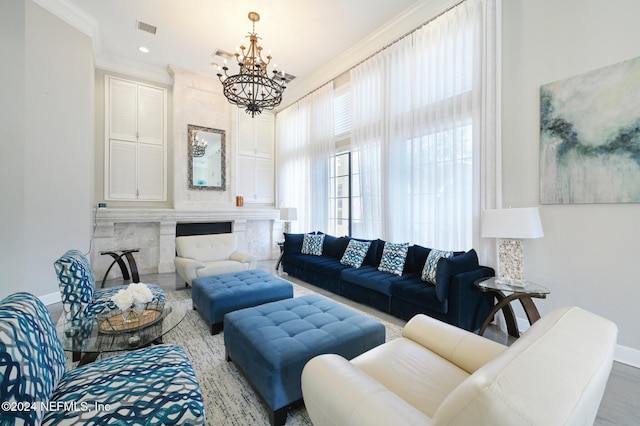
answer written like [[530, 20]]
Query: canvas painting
[[590, 137]]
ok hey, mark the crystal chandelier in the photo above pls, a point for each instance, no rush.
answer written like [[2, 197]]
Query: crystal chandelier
[[252, 88], [199, 146]]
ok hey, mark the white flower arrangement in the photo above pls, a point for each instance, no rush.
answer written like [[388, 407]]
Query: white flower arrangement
[[134, 294]]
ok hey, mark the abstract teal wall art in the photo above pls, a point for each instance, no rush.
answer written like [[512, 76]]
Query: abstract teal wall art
[[590, 137]]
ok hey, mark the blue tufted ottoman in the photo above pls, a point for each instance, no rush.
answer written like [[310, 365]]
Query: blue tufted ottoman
[[215, 296], [271, 343]]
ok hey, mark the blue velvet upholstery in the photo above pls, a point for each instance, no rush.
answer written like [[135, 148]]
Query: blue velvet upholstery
[[271, 343], [215, 296], [149, 386], [455, 299], [78, 288]]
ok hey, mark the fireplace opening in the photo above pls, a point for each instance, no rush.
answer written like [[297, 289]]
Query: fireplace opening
[[203, 228]]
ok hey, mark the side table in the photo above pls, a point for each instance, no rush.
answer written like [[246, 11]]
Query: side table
[[117, 256], [523, 294], [281, 245]]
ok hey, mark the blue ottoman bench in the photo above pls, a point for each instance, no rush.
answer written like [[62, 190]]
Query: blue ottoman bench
[[271, 343], [215, 296]]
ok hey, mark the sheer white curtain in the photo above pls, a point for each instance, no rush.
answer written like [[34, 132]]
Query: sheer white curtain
[[423, 119], [305, 142]]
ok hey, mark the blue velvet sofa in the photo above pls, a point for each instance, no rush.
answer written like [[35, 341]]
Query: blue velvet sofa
[[455, 299]]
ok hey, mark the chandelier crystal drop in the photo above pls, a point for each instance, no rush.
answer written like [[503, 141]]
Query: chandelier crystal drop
[[252, 88]]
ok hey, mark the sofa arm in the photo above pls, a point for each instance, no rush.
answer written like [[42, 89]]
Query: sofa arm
[[248, 258], [336, 392], [463, 348], [187, 268]]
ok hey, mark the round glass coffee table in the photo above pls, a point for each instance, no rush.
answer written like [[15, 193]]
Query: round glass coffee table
[[89, 338]]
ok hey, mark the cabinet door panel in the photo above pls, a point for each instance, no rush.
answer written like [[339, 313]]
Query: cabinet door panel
[[122, 110], [150, 115], [264, 136], [246, 178], [122, 170], [151, 174], [264, 181]]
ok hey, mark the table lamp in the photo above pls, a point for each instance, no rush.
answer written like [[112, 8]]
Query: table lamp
[[511, 226], [288, 214]]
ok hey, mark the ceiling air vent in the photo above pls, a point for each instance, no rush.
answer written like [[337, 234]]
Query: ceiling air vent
[[146, 27]]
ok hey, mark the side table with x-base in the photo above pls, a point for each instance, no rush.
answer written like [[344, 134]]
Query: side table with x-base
[[522, 293]]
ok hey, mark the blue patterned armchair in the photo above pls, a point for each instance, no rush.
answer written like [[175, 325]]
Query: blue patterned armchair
[[78, 288], [154, 385]]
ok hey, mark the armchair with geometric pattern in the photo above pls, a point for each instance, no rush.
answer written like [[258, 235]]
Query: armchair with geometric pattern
[[78, 292]]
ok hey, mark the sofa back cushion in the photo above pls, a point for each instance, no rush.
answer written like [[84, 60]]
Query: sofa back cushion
[[207, 248], [33, 361], [555, 373], [450, 266], [293, 243], [334, 246], [76, 282]]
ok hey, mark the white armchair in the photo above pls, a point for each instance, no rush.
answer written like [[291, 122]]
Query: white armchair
[[437, 374], [214, 254]]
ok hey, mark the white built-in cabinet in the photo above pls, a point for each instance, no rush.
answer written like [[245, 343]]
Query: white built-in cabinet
[[255, 158], [135, 141]]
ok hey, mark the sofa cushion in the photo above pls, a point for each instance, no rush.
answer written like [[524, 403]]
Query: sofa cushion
[[334, 246], [393, 258], [355, 253], [207, 248], [369, 277], [411, 289], [312, 244], [154, 385], [431, 265], [448, 267], [293, 243]]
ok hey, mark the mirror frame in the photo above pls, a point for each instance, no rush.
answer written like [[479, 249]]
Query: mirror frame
[[193, 128]]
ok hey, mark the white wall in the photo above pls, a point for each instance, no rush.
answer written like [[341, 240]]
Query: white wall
[[54, 166], [589, 254], [12, 119]]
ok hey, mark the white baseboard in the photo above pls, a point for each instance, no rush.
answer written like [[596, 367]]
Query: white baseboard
[[51, 298]]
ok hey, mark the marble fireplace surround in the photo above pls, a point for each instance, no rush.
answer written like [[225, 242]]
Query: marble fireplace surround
[[154, 232]]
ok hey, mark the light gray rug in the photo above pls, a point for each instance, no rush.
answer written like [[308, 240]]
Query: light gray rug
[[228, 397]]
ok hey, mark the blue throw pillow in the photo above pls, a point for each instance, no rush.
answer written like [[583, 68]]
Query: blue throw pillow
[[431, 265], [312, 244], [355, 253], [393, 258]]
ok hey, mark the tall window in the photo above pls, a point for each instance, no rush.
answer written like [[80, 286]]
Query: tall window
[[340, 194]]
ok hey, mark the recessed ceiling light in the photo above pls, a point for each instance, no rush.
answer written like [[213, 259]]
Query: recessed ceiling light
[[143, 49]]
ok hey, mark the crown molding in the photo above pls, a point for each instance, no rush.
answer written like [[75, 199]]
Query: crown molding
[[133, 69], [72, 15]]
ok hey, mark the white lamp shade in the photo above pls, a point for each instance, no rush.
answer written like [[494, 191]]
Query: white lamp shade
[[288, 213], [520, 223]]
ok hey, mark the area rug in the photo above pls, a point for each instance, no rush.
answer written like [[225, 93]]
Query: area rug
[[228, 397]]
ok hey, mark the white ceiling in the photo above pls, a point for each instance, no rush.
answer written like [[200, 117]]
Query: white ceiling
[[303, 35]]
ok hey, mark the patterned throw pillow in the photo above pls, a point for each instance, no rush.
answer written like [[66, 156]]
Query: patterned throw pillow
[[312, 244], [393, 257], [431, 265], [355, 253]]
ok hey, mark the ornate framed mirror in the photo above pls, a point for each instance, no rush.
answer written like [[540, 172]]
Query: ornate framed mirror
[[206, 158]]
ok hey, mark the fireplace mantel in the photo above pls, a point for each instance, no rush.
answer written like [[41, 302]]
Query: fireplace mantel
[[162, 215], [154, 232]]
